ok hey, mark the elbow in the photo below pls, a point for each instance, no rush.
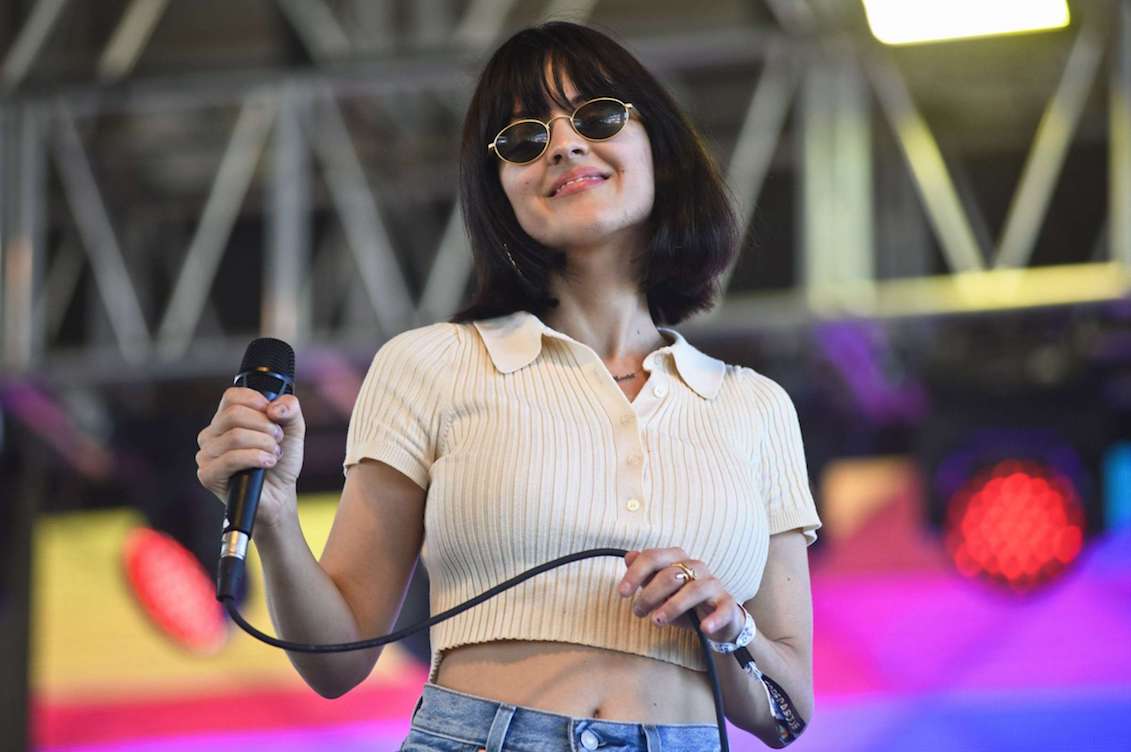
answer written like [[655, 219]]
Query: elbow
[[331, 694], [332, 690], [333, 686], [327, 688], [328, 694]]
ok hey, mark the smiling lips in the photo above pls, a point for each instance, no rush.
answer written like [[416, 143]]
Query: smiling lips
[[574, 183]]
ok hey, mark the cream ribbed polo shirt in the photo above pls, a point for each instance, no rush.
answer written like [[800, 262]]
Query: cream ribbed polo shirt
[[530, 451]]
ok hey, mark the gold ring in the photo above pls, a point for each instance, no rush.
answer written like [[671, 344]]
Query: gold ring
[[686, 570]]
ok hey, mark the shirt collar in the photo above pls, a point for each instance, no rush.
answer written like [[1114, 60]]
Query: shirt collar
[[515, 340]]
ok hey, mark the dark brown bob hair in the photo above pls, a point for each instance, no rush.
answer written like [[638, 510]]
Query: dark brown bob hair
[[692, 228]]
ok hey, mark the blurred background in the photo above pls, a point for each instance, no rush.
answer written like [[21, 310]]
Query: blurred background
[[937, 268]]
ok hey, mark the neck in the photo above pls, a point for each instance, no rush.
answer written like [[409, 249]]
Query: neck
[[602, 306]]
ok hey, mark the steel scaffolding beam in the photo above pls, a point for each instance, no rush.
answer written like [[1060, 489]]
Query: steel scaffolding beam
[[1119, 226], [129, 39], [358, 279], [1050, 148], [32, 36]]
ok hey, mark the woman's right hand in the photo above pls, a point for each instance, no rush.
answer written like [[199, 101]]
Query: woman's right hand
[[249, 432]]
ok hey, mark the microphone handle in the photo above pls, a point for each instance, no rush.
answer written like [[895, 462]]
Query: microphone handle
[[244, 489]]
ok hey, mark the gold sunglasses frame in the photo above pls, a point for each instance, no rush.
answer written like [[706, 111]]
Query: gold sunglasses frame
[[628, 109]]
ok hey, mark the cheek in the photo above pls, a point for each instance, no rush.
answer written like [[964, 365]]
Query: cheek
[[641, 183], [520, 189]]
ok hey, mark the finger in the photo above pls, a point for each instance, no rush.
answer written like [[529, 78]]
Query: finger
[[240, 438], [657, 591], [645, 565], [217, 471], [664, 584], [287, 412], [232, 462], [721, 623], [241, 395], [686, 598], [242, 416]]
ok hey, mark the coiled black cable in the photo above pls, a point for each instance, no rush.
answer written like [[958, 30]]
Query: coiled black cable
[[720, 715]]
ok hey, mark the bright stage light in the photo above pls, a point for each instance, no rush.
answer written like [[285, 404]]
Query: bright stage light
[[913, 21], [1019, 523], [174, 590]]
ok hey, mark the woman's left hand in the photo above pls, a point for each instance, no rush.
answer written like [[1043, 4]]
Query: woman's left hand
[[665, 598]]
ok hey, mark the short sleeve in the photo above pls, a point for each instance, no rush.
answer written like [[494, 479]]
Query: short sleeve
[[399, 410], [782, 472]]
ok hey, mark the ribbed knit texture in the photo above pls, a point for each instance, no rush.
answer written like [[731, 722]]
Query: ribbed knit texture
[[530, 451]]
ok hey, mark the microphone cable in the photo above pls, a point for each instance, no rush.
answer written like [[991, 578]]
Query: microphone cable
[[789, 722]]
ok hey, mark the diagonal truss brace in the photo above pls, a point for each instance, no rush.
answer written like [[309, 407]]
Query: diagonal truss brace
[[366, 235], [1050, 148], [237, 167], [99, 240]]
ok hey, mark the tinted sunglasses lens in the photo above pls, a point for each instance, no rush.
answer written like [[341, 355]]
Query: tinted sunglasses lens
[[600, 119], [521, 142]]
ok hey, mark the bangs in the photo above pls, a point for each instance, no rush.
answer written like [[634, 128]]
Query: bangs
[[524, 89]]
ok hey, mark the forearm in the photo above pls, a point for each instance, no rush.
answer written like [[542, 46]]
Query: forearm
[[306, 606], [744, 696]]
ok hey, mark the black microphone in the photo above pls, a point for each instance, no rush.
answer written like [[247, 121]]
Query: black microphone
[[269, 368]]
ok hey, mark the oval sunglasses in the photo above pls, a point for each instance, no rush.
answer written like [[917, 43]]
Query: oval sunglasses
[[524, 141]]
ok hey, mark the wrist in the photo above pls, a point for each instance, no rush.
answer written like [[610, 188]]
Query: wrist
[[271, 530]]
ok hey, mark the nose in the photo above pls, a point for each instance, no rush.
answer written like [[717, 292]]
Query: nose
[[564, 141]]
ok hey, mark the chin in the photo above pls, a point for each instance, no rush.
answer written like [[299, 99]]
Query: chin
[[583, 236], [590, 230]]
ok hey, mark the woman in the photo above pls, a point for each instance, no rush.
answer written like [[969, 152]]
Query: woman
[[555, 414]]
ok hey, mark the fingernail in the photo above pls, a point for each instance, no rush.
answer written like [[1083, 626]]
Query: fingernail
[[625, 588], [278, 451]]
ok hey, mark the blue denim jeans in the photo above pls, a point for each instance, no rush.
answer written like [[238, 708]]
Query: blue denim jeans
[[448, 721]]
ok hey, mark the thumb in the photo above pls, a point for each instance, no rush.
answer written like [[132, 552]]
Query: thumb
[[285, 411]]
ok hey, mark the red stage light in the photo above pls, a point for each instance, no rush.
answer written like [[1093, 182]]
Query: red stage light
[[1018, 523], [174, 590]]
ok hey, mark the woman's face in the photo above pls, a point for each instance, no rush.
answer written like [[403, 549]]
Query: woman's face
[[615, 200]]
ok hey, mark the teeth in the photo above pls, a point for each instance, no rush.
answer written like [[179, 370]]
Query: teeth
[[578, 180]]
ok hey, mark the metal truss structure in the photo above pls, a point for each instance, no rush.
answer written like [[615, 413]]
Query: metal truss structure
[[151, 225], [324, 267]]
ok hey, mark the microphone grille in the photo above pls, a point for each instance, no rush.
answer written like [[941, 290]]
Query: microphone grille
[[270, 353]]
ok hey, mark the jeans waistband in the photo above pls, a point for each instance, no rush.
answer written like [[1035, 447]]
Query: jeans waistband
[[488, 723]]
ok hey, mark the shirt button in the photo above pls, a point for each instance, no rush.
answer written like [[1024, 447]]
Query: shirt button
[[625, 419], [659, 390], [589, 740], [632, 505], [634, 459]]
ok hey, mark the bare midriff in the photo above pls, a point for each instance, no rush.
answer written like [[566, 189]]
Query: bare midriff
[[579, 681]]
